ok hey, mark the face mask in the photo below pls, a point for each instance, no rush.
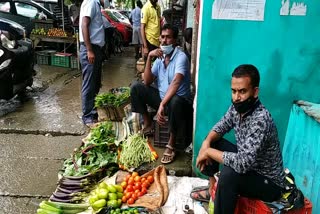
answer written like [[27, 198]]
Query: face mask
[[166, 49], [245, 106]]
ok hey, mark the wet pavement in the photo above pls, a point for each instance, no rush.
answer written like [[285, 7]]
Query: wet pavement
[[37, 135]]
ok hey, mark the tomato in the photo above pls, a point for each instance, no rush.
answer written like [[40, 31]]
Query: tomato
[[137, 178], [137, 191], [127, 177], [138, 185], [124, 184], [146, 184], [124, 199], [135, 188], [140, 194], [144, 190], [128, 195], [130, 181], [130, 201], [129, 188], [143, 179], [134, 196], [150, 179], [134, 174]]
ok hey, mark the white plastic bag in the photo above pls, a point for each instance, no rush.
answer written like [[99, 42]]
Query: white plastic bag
[[42, 16]]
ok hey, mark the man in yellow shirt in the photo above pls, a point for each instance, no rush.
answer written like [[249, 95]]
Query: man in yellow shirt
[[150, 26]]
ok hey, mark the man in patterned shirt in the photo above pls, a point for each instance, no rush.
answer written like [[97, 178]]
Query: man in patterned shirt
[[253, 166]]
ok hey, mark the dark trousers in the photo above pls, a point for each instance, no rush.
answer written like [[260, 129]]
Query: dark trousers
[[178, 110], [91, 82], [231, 184]]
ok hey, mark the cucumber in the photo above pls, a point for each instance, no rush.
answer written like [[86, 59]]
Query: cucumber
[[43, 211], [67, 206], [47, 207]]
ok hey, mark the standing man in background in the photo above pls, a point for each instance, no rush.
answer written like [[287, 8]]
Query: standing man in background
[[92, 40], [74, 12], [150, 26], [135, 19], [107, 4]]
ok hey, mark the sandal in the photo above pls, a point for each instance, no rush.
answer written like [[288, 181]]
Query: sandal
[[195, 194], [148, 131], [168, 157], [196, 189]]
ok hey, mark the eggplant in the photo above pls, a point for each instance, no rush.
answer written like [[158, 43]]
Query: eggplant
[[76, 177], [67, 191], [66, 200]]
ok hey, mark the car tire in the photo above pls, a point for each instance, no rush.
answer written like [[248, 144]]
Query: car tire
[[6, 87]]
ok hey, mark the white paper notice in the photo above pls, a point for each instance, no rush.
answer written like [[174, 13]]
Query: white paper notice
[[297, 9], [252, 10]]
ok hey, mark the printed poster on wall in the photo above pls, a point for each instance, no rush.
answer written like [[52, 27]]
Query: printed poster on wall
[[252, 10], [293, 9]]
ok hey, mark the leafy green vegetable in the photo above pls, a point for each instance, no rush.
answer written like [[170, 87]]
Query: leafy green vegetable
[[98, 152], [115, 97]]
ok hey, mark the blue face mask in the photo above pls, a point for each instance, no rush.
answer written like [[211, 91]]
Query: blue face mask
[[166, 49]]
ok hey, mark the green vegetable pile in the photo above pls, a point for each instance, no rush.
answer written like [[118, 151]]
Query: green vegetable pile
[[46, 207], [106, 195], [97, 153], [135, 151], [115, 97]]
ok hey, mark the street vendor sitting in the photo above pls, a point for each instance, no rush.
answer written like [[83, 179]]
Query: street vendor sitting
[[166, 88], [252, 167]]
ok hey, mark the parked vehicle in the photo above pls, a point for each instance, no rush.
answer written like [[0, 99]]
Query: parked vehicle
[[123, 28], [120, 17], [22, 12], [16, 60], [126, 13], [48, 4]]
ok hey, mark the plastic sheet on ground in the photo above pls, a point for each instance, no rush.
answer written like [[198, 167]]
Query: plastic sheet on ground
[[179, 195]]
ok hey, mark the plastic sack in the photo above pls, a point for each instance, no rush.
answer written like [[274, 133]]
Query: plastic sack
[[42, 16]]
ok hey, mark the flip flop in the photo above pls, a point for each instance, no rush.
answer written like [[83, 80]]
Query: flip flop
[[195, 195], [196, 189], [168, 157]]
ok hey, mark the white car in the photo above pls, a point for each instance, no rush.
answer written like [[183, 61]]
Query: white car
[[121, 17]]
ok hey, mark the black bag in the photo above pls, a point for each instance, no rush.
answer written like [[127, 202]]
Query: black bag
[[292, 198]]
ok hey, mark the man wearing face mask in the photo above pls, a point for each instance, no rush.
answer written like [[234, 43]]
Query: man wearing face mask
[[252, 167], [171, 96]]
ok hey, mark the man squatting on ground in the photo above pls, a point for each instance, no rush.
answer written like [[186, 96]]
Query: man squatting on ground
[[253, 167], [171, 94], [92, 40]]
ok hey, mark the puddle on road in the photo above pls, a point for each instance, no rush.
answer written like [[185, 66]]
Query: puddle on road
[[8, 106], [46, 98]]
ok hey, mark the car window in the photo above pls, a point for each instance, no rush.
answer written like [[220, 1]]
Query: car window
[[112, 17], [119, 16], [4, 6], [26, 10]]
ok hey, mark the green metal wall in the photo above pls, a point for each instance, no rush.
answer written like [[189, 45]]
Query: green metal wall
[[286, 50]]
